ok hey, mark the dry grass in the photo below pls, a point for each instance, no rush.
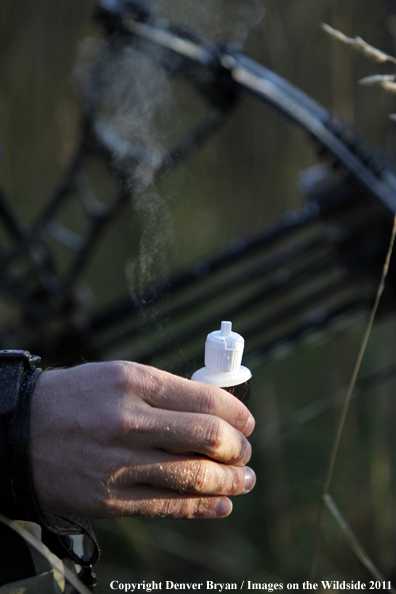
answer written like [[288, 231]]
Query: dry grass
[[385, 81], [359, 45]]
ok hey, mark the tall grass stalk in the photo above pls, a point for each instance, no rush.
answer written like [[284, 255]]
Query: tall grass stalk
[[353, 541], [344, 411]]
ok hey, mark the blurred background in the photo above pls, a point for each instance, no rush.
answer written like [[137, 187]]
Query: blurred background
[[244, 178]]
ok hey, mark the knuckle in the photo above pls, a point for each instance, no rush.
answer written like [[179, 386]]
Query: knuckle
[[241, 455], [148, 384], [240, 418], [238, 482], [187, 508], [117, 423], [168, 509], [238, 456], [214, 435], [118, 375], [206, 400], [132, 378], [175, 509], [121, 423], [200, 477], [202, 508]]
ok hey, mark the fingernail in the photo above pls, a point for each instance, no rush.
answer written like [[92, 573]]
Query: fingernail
[[250, 480], [223, 507], [249, 426]]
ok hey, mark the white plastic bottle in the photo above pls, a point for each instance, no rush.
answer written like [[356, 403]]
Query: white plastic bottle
[[223, 356]]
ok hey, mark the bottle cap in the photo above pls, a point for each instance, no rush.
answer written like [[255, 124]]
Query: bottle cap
[[224, 349]]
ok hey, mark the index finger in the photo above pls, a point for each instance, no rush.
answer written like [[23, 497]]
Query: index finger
[[164, 390]]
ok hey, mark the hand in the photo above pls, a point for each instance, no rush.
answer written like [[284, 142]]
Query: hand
[[119, 438]]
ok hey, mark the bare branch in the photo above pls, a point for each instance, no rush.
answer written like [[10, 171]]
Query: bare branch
[[359, 45]]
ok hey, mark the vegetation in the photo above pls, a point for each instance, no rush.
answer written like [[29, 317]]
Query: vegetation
[[240, 181]]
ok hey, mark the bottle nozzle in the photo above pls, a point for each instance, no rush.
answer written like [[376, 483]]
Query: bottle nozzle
[[226, 328], [224, 349]]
